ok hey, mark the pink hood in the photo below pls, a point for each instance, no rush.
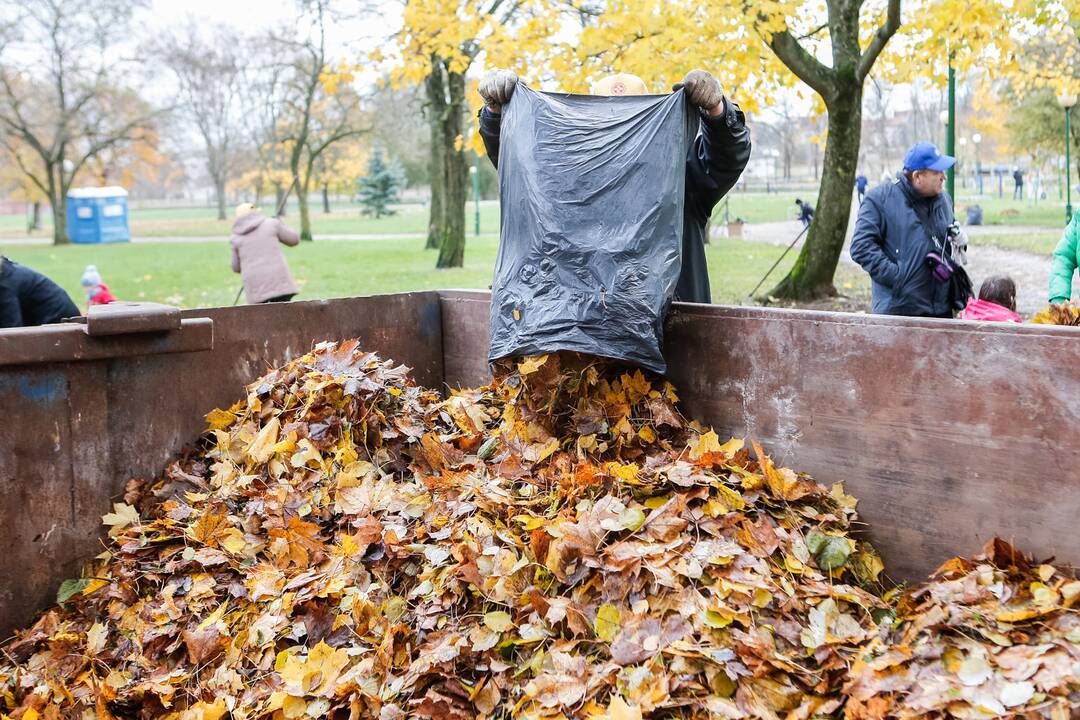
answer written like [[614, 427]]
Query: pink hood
[[988, 311]]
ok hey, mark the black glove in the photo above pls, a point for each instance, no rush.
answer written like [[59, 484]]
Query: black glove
[[497, 86], [702, 89]]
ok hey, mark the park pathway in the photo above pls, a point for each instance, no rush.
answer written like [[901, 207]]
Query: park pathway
[[1031, 272], [47, 239]]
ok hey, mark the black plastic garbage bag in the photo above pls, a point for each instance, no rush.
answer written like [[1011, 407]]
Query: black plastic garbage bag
[[592, 193]]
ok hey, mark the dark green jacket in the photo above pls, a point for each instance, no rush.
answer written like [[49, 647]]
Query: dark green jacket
[[1065, 262]]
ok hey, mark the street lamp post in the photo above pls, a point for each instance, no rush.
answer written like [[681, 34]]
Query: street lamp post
[[977, 139], [947, 119], [1067, 101]]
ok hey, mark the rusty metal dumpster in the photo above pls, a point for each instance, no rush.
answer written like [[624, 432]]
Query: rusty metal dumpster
[[948, 432]]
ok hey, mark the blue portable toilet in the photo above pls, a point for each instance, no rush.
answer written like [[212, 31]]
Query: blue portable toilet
[[98, 215]]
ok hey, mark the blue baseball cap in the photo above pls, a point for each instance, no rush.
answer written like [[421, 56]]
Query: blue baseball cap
[[925, 156]]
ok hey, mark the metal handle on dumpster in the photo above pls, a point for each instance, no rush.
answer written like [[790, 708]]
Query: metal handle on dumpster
[[118, 329], [120, 318]]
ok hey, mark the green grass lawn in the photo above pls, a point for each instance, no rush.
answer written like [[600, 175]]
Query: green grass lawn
[[203, 222], [1049, 213], [413, 219], [197, 274], [761, 207], [1038, 243]]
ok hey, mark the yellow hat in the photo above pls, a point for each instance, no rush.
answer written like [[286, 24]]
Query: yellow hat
[[620, 84], [245, 208]]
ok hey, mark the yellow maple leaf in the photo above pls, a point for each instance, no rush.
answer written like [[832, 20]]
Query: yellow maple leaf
[[316, 674], [219, 419], [498, 621], [122, 516], [209, 527], [704, 444], [619, 710], [627, 472], [262, 446], [607, 622], [635, 385], [95, 638], [208, 711], [233, 541], [532, 364]]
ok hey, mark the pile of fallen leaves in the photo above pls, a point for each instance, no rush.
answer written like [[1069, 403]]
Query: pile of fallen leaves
[[561, 543], [994, 636], [1065, 313]]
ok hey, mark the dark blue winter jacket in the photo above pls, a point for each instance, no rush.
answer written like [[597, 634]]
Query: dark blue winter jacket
[[891, 244], [29, 298]]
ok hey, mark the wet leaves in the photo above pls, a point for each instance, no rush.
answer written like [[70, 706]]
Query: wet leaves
[[992, 636], [558, 544], [1066, 313]]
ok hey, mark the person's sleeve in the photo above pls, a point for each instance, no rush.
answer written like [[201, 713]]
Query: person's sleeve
[[10, 310], [490, 124], [287, 235], [1063, 263], [717, 157], [235, 262], [867, 244]]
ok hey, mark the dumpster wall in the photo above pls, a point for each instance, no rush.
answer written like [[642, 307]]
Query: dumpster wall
[[74, 430], [948, 432]]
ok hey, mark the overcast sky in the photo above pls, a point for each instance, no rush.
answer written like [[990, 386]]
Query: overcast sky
[[343, 38]]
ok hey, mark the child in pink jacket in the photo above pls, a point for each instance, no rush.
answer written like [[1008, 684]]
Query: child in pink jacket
[[996, 302]]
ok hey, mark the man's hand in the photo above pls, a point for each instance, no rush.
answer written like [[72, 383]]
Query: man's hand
[[496, 87], [703, 90]]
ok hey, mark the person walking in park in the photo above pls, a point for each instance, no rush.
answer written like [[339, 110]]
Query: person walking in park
[[256, 254], [28, 298], [806, 212], [714, 161], [1064, 262], [900, 227], [861, 181], [996, 301], [1018, 184]]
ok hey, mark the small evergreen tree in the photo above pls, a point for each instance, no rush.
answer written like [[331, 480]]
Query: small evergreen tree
[[380, 188]]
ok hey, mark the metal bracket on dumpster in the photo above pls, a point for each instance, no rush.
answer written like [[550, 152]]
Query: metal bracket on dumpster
[[121, 329], [119, 318]]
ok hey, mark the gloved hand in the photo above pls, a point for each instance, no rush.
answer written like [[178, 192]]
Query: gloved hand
[[496, 87], [703, 90]]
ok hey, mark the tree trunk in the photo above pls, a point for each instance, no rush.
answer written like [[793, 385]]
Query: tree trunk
[[325, 199], [35, 218], [452, 247], [58, 205], [812, 275], [279, 195], [305, 215], [219, 194], [436, 96], [59, 214]]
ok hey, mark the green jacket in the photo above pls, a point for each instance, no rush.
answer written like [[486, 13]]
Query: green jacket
[[1065, 262]]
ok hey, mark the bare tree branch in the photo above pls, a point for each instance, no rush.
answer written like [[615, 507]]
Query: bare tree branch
[[805, 66], [878, 42]]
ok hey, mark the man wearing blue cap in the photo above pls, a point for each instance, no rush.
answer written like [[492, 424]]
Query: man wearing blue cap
[[902, 235]]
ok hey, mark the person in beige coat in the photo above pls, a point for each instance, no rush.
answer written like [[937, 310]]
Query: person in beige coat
[[257, 256]]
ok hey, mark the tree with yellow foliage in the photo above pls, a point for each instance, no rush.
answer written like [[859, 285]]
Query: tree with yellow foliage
[[829, 45], [302, 106], [338, 167], [438, 44]]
